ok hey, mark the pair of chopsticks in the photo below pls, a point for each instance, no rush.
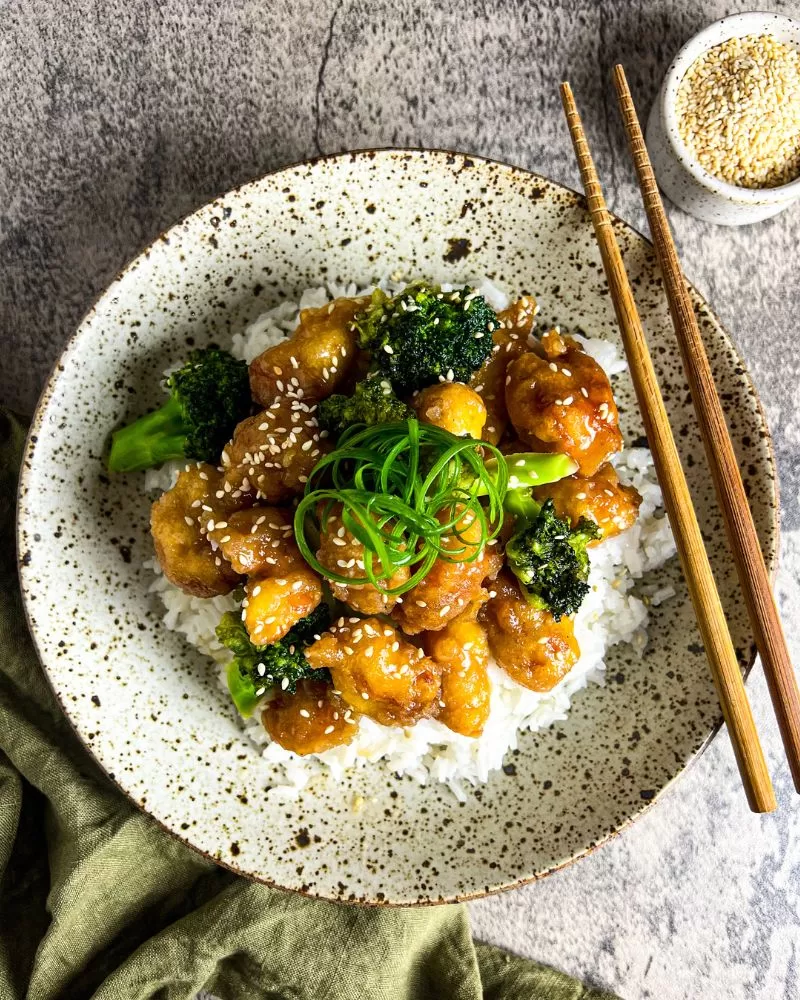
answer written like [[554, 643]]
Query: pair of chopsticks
[[750, 566]]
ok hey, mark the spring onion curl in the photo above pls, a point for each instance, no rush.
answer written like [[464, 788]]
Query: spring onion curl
[[408, 492]]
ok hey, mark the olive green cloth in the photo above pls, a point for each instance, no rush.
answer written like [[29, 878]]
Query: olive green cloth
[[97, 901]]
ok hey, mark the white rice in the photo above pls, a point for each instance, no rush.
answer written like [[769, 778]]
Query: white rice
[[611, 613]]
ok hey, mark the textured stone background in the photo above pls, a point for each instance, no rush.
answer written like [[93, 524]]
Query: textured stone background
[[117, 118]]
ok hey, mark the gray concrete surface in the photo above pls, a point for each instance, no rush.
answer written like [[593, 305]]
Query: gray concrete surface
[[117, 118]]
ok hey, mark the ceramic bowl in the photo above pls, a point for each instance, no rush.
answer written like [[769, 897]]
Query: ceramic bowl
[[148, 706], [679, 175]]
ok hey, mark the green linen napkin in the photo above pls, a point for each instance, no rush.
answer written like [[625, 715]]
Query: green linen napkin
[[97, 901]]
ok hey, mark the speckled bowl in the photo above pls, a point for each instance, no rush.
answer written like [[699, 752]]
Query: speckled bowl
[[148, 706]]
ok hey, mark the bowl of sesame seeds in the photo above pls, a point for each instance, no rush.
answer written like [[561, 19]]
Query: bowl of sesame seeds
[[724, 132]]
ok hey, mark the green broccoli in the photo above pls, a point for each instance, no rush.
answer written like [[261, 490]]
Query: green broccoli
[[423, 334], [208, 397], [373, 402], [253, 668], [547, 556]]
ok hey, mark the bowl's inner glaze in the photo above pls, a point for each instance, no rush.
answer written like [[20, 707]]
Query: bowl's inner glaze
[[148, 706]]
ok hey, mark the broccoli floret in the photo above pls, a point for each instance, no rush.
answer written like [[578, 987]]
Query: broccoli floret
[[547, 556], [373, 402], [208, 397], [253, 668], [423, 334]]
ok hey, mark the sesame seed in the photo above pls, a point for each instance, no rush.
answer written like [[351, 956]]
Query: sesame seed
[[305, 713], [329, 730]]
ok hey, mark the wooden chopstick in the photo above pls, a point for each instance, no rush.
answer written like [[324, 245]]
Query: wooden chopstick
[[677, 500], [750, 566]]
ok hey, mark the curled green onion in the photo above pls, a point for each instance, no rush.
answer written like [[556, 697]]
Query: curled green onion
[[408, 492]]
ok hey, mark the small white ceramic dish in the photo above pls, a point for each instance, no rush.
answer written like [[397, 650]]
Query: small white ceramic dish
[[679, 175], [149, 707]]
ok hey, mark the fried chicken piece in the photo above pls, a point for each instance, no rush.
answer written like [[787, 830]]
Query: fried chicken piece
[[272, 454], [462, 651], [377, 671], [258, 541], [275, 604], [179, 522], [316, 359], [601, 497], [342, 553], [510, 342], [563, 403], [452, 406], [311, 720], [450, 587], [528, 643]]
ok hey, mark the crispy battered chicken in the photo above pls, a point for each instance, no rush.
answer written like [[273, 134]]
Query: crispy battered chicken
[[563, 403]]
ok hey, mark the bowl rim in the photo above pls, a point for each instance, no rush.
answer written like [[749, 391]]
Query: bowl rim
[[752, 22], [645, 807]]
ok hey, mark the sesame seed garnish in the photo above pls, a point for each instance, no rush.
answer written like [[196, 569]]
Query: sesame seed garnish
[[738, 111], [305, 713]]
